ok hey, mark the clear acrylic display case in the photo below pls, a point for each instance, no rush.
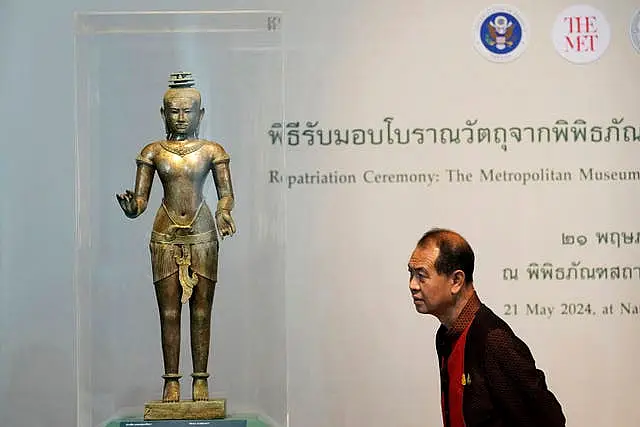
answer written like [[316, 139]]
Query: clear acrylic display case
[[123, 62]]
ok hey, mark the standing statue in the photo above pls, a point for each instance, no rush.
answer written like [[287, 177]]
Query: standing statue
[[184, 243]]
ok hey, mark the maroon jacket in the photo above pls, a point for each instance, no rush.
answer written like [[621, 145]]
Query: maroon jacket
[[505, 389]]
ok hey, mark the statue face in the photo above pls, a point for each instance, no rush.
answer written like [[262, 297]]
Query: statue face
[[182, 116]]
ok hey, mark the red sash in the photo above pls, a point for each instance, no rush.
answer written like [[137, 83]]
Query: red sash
[[457, 381]]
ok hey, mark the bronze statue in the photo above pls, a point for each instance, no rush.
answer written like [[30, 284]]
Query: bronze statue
[[184, 243]]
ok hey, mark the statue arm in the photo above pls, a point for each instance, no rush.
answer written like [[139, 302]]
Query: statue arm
[[226, 200], [134, 203], [144, 180], [224, 186]]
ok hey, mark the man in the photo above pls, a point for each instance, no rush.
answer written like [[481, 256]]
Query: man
[[488, 376]]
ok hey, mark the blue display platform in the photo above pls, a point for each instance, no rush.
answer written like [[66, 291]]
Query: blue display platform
[[239, 421]]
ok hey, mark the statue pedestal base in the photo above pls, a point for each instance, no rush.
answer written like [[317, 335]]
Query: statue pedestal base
[[233, 421], [185, 410]]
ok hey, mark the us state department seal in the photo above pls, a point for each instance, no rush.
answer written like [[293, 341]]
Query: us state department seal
[[500, 33], [634, 30]]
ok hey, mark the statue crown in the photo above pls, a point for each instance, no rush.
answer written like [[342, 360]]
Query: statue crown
[[181, 80]]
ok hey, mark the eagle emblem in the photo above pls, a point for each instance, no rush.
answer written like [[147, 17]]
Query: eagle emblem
[[499, 32]]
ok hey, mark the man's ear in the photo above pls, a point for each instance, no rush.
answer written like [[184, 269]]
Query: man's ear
[[457, 281]]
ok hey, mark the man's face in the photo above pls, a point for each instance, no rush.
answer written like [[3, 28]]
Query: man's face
[[182, 115], [431, 291]]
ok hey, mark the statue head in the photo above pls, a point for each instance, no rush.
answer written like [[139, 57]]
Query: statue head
[[181, 110]]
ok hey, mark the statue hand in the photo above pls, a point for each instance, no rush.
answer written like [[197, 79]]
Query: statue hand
[[128, 203], [225, 223]]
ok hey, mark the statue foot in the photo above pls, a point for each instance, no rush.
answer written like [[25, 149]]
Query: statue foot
[[200, 387], [171, 390]]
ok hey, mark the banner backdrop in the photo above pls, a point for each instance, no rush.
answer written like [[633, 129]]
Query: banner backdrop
[[517, 126]]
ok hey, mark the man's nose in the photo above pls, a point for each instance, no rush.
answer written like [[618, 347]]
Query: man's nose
[[181, 115], [413, 284]]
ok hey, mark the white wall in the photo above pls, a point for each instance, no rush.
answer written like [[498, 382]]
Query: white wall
[[357, 354]]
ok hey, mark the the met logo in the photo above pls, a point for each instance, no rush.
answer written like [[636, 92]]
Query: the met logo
[[581, 34]]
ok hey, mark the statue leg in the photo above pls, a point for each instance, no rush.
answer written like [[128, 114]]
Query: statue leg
[[168, 293], [200, 306]]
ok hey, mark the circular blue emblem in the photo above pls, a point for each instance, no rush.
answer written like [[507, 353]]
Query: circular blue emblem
[[500, 33]]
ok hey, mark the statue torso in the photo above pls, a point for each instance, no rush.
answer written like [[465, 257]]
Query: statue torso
[[183, 167]]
